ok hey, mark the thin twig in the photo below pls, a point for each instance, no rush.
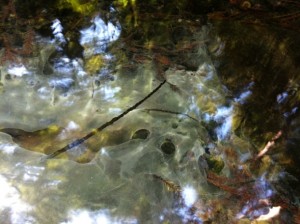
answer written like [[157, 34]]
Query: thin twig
[[99, 129], [172, 112], [268, 145]]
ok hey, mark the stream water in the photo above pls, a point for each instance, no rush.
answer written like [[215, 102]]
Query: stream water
[[201, 142]]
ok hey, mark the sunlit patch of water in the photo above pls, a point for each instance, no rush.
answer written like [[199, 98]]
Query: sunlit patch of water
[[94, 217], [58, 31], [241, 99], [273, 212], [189, 195], [10, 201], [63, 84], [8, 148], [99, 34], [32, 173], [109, 92], [115, 110], [282, 97], [18, 70], [243, 96], [223, 116]]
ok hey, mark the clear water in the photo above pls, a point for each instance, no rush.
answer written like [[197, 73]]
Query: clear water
[[120, 175]]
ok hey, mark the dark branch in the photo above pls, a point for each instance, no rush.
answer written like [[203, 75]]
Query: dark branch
[[171, 112], [99, 129]]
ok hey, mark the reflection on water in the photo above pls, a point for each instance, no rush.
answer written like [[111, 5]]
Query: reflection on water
[[57, 31], [102, 216], [174, 159], [13, 209], [99, 34]]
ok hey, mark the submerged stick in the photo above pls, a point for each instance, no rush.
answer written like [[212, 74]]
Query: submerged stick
[[171, 112], [97, 130]]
